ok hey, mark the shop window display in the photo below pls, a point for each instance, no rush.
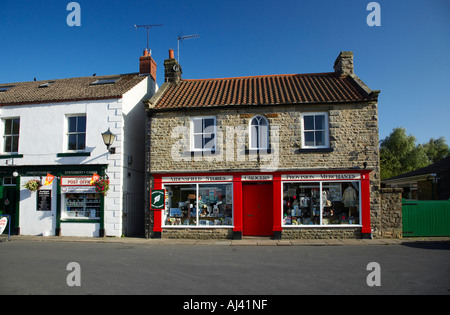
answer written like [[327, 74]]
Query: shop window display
[[321, 203], [81, 206], [198, 205]]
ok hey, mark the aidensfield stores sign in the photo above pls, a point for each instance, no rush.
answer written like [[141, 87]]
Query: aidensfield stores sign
[[224, 178]]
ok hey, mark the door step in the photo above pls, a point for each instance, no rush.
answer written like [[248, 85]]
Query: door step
[[256, 238]]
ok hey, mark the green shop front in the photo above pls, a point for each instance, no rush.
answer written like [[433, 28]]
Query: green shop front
[[67, 206]]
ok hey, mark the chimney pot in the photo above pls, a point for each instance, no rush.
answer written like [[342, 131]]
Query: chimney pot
[[172, 69], [147, 66]]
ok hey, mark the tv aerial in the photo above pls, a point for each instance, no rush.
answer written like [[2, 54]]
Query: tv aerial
[[148, 27], [181, 38]]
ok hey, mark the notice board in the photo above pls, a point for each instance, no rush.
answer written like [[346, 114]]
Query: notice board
[[44, 200]]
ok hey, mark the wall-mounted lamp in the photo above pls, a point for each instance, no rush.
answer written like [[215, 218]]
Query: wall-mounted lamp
[[108, 139]]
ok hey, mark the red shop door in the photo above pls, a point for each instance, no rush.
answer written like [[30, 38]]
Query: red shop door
[[258, 205]]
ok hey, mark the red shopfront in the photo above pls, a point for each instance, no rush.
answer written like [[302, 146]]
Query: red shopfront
[[264, 204]]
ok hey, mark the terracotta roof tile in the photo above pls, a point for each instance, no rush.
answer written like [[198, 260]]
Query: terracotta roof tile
[[261, 90]]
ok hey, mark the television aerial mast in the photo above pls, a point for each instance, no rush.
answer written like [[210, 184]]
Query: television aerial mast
[[181, 38], [148, 27]]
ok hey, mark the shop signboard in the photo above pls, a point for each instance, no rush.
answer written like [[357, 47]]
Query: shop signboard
[[157, 198], [330, 176], [257, 177], [3, 224], [76, 181], [212, 178]]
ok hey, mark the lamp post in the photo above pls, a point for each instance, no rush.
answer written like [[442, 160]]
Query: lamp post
[[108, 139]]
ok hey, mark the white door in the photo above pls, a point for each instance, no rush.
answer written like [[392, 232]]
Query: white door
[[38, 210]]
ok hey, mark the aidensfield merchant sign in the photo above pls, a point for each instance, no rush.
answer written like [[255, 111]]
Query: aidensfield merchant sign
[[320, 176]]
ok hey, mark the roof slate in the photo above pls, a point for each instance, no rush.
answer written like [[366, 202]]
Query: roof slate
[[261, 90], [71, 89]]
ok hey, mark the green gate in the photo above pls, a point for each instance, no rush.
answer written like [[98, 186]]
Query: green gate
[[426, 218]]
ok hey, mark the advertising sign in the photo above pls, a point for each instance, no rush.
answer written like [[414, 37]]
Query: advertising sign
[[3, 223], [76, 181], [157, 197]]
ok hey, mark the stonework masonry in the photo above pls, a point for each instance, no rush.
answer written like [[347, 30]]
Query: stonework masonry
[[391, 213]]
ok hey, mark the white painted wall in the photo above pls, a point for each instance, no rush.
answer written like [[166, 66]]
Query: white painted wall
[[43, 129]]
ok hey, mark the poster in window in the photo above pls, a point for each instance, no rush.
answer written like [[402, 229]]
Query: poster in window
[[44, 200]]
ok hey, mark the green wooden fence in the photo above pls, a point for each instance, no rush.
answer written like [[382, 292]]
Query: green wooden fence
[[426, 218]]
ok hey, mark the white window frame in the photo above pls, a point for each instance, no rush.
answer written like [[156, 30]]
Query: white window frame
[[66, 144], [198, 217], [250, 133], [326, 130], [10, 135], [193, 148], [321, 225]]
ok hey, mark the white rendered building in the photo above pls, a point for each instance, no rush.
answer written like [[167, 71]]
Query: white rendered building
[[55, 127]]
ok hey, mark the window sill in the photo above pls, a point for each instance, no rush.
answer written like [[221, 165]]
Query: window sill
[[73, 154], [311, 226], [197, 226], [200, 153], [258, 151], [314, 150], [11, 156], [80, 220]]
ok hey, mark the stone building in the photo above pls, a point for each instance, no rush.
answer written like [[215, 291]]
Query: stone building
[[285, 156]]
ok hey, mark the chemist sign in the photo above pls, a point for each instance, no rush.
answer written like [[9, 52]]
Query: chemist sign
[[157, 197]]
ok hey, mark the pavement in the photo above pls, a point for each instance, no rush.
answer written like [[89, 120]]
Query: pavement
[[246, 241]]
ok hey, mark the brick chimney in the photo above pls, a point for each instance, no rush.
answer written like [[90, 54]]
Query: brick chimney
[[172, 69], [147, 66], [344, 63]]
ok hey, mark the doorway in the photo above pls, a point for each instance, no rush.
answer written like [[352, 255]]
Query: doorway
[[8, 205], [257, 209]]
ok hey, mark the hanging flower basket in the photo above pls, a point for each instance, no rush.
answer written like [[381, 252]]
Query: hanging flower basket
[[33, 185], [101, 185]]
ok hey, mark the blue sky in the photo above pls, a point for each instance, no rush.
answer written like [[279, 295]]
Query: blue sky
[[407, 57]]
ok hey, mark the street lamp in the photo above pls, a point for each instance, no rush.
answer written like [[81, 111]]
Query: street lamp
[[108, 139]]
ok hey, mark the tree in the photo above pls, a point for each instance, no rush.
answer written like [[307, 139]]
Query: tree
[[436, 149], [399, 153]]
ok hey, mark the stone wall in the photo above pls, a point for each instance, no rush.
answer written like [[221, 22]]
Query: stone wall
[[391, 212], [321, 233], [353, 134], [197, 233]]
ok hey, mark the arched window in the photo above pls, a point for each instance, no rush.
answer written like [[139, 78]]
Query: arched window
[[259, 133]]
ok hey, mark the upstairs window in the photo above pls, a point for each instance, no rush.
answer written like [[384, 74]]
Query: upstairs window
[[259, 133], [46, 85], [11, 135], [105, 81], [315, 130], [203, 133], [76, 133], [5, 88]]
